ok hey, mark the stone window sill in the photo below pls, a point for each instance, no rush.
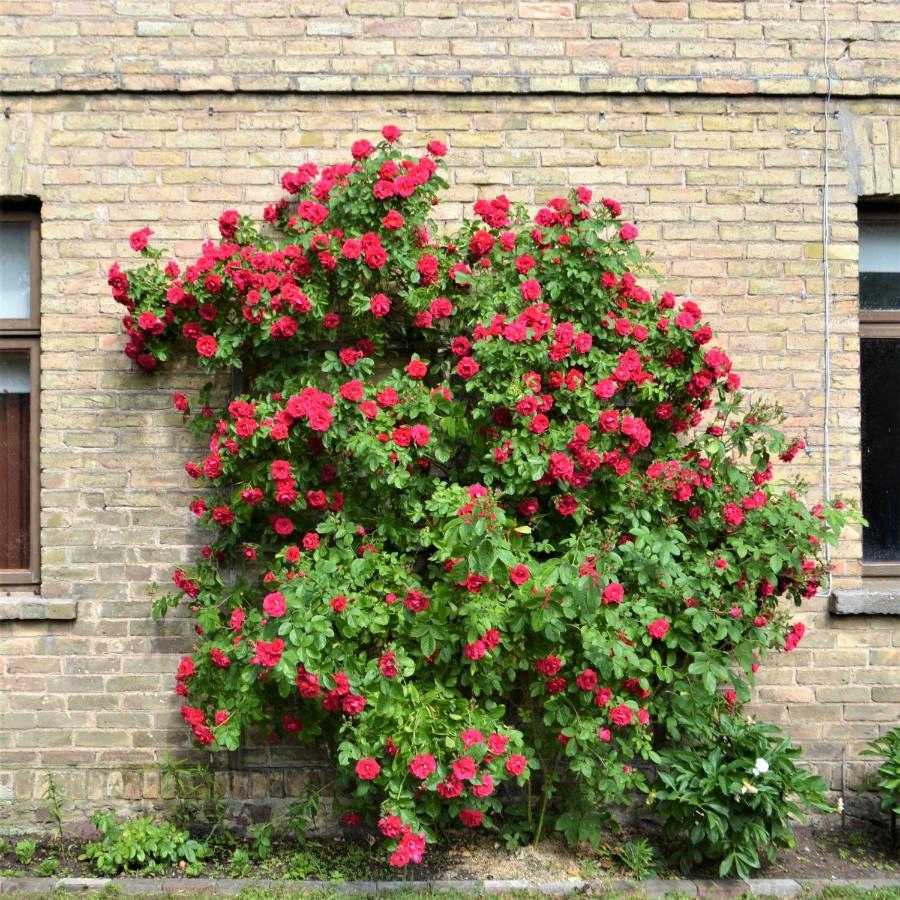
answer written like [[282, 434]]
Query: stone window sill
[[18, 605], [878, 597]]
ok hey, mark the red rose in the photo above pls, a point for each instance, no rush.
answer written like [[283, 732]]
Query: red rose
[[520, 574], [436, 148], [274, 605], [516, 764], [367, 769], [658, 628], [471, 818], [613, 593], [587, 680], [138, 239], [228, 223], [361, 149], [467, 368], [428, 269], [621, 715], [416, 369], [422, 765], [732, 514], [390, 133], [393, 220], [207, 346], [380, 306], [268, 654], [464, 769]]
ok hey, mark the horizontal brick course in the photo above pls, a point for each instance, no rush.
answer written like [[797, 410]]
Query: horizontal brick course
[[462, 47]]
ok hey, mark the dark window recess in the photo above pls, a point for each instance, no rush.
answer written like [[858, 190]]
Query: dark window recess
[[879, 290], [15, 488], [879, 380], [880, 413]]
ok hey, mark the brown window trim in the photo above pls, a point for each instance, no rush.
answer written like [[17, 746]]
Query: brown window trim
[[24, 334], [884, 324]]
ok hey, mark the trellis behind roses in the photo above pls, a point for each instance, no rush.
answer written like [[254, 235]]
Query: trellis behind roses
[[496, 512]]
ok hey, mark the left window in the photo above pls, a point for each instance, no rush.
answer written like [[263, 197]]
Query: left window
[[20, 323]]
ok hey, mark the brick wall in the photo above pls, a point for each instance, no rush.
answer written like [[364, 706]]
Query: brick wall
[[125, 118], [704, 46]]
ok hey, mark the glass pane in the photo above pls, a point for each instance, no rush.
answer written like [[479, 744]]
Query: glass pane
[[879, 290], [880, 410], [15, 460], [879, 246], [15, 270]]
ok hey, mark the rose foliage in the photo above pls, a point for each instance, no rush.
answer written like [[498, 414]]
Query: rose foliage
[[489, 520]]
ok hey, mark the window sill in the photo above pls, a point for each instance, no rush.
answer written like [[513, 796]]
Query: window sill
[[21, 606], [879, 597]]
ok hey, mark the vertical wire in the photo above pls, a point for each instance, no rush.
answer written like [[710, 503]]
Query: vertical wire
[[826, 296]]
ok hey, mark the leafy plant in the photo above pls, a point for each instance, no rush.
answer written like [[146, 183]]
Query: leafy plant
[[56, 801], [240, 865], [47, 867], [732, 797], [886, 779], [196, 798], [261, 840], [140, 844], [25, 851], [303, 865], [638, 857], [487, 513], [301, 816]]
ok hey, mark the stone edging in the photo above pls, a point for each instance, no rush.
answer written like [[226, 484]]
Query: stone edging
[[193, 887]]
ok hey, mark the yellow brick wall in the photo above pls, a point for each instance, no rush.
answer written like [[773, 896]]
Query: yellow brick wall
[[727, 191], [514, 46]]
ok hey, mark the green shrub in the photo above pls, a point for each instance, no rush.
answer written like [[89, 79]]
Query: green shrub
[[140, 844], [731, 798], [490, 513], [887, 778]]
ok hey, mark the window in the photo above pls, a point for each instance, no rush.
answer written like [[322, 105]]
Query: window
[[20, 281], [879, 331]]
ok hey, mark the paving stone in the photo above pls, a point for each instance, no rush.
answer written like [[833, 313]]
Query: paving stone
[[562, 887], [710, 887], [82, 884], [26, 885], [660, 887], [773, 887]]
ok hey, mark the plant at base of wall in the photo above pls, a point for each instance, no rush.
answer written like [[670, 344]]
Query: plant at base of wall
[[886, 780], [731, 799], [142, 845], [491, 519]]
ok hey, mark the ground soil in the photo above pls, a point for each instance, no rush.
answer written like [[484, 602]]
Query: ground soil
[[849, 851]]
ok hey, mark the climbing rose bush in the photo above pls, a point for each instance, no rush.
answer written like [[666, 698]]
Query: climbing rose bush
[[488, 519]]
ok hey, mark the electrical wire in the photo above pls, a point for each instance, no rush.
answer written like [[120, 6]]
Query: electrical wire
[[826, 297]]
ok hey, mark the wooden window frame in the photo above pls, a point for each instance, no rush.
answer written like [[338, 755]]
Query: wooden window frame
[[883, 324], [17, 335]]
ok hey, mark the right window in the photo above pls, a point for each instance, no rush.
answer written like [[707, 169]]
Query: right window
[[879, 375]]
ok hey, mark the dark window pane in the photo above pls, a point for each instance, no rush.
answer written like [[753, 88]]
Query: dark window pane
[[880, 411], [879, 290], [15, 460]]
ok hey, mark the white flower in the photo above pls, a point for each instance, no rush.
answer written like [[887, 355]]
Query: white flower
[[761, 767], [747, 788], [840, 804]]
